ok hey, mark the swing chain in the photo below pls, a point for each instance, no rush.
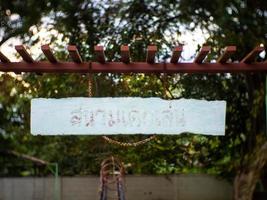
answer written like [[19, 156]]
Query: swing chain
[[128, 144], [90, 94], [90, 81]]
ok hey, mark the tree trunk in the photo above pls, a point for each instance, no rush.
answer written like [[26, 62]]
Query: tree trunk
[[244, 185], [246, 180]]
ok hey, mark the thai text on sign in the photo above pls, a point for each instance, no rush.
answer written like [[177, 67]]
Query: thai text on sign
[[130, 115]]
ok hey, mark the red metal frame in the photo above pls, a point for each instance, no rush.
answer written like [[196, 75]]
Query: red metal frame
[[77, 65]]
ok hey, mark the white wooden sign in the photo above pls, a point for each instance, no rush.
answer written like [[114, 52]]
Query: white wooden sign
[[105, 116]]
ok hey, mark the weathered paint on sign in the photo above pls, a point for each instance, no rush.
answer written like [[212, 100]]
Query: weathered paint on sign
[[129, 115]]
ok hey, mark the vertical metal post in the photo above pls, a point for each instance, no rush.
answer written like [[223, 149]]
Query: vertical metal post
[[54, 170], [57, 191]]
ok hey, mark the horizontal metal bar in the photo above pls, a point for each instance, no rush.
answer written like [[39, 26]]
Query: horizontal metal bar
[[100, 54], [3, 58], [74, 54], [251, 56], [151, 53], [125, 54], [176, 54], [229, 50], [24, 54], [48, 53], [134, 67], [204, 51]]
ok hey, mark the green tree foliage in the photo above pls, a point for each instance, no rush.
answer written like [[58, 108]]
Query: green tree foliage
[[18, 16], [242, 23]]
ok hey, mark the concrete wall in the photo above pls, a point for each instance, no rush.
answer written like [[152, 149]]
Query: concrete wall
[[175, 187]]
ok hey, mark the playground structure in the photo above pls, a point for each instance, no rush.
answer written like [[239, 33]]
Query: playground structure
[[112, 179], [112, 185], [101, 65]]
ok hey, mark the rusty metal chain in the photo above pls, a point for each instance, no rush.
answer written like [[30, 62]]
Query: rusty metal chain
[[128, 144], [90, 81], [90, 85]]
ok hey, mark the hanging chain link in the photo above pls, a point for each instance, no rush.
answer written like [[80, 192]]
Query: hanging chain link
[[128, 144], [106, 138], [90, 81], [90, 85], [165, 82]]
